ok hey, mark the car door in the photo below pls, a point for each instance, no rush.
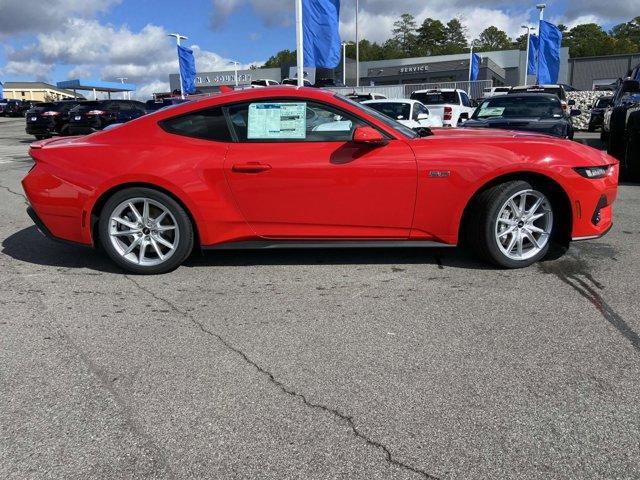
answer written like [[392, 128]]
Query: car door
[[295, 173]]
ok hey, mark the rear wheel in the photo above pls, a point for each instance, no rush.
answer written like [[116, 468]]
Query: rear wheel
[[631, 162], [145, 231], [512, 225]]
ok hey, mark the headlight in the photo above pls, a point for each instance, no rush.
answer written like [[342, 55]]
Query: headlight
[[593, 172]]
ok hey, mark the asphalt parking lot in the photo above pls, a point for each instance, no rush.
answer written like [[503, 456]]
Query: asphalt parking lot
[[357, 364]]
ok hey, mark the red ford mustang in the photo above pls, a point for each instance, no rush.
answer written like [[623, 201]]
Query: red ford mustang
[[287, 166]]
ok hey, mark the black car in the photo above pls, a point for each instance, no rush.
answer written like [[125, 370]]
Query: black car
[[597, 112], [631, 163], [94, 115], [626, 96], [533, 112], [155, 105], [44, 120], [14, 108]]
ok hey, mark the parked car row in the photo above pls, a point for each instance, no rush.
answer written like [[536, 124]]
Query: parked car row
[[75, 117], [15, 108]]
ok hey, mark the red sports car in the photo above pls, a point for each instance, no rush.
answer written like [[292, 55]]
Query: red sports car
[[284, 166]]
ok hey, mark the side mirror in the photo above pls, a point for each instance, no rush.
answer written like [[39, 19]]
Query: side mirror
[[575, 112], [423, 116], [571, 102], [368, 136]]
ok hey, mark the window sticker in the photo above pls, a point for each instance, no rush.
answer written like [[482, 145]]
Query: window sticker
[[491, 111], [272, 121]]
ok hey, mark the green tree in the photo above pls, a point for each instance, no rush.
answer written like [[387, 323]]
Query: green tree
[[368, 51], [456, 38], [521, 42], [404, 33], [590, 40], [432, 36], [628, 33], [283, 57], [491, 39]]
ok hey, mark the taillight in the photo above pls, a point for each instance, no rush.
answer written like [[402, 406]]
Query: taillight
[[95, 112], [50, 114], [448, 113]]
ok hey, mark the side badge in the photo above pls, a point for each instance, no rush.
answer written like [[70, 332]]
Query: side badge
[[439, 173]]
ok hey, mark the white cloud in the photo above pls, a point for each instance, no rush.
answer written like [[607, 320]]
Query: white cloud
[[33, 16]]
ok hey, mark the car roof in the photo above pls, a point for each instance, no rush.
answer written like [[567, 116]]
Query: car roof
[[392, 100], [436, 90], [524, 95]]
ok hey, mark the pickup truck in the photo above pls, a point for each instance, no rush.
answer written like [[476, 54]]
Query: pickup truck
[[451, 104]]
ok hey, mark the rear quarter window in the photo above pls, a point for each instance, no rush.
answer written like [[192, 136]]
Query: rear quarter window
[[209, 124]]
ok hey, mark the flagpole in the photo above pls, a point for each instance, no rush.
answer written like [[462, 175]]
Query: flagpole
[[357, 47], [299, 45], [526, 63], [540, 7]]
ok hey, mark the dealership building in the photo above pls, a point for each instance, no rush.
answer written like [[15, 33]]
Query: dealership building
[[504, 67]]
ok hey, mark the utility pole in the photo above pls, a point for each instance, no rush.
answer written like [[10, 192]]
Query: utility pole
[[344, 62], [124, 94], [179, 37]]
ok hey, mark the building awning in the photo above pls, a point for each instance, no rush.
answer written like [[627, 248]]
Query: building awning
[[98, 86]]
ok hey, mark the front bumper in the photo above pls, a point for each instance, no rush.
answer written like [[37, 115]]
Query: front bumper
[[592, 205]]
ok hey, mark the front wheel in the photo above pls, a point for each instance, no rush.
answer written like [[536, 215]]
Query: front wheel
[[145, 231], [513, 224]]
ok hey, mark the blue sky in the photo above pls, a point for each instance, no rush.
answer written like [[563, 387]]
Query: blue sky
[[55, 40]]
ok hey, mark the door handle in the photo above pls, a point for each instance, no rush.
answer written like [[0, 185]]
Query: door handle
[[251, 167]]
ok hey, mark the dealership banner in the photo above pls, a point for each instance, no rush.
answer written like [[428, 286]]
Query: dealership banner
[[475, 67], [549, 55], [187, 69], [320, 33]]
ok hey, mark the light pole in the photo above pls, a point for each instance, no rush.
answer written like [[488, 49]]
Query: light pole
[[526, 63], [235, 70], [179, 37], [357, 47], [344, 62], [541, 7], [124, 94]]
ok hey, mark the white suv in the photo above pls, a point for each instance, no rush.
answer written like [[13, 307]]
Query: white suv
[[452, 104]]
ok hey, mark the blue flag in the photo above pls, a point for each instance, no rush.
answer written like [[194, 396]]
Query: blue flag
[[474, 67], [320, 34], [187, 69], [549, 55], [532, 61]]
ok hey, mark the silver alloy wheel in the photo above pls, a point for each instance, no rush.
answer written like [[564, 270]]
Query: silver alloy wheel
[[524, 224], [143, 231]]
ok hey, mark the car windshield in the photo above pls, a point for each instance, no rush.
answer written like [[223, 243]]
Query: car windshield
[[557, 91], [630, 97], [602, 103], [397, 111], [435, 98], [88, 105], [516, 106], [406, 131]]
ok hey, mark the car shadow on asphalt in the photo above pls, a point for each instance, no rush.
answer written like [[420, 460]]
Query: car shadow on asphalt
[[29, 245]]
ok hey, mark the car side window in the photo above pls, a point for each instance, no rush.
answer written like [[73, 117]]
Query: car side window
[[209, 124], [465, 99], [291, 121]]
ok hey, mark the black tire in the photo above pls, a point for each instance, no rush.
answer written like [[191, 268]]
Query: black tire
[[631, 165], [604, 136], [183, 223], [481, 227]]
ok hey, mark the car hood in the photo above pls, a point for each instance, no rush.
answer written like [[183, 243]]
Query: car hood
[[509, 147]]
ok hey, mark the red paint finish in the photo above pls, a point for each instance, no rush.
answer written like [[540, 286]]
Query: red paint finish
[[316, 190]]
